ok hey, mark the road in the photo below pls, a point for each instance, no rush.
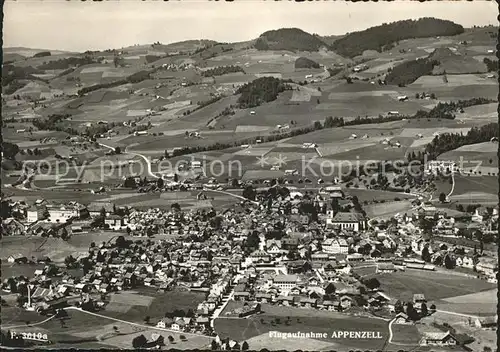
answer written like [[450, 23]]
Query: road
[[29, 325], [452, 185], [143, 157], [231, 194], [225, 301]]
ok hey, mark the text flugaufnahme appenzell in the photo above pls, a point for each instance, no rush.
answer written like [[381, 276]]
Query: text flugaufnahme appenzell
[[324, 335]]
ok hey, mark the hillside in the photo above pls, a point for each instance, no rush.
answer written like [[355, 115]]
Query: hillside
[[291, 39], [304, 62], [381, 38], [260, 91], [409, 71]]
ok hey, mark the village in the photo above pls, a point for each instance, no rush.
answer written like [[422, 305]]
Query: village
[[284, 250]]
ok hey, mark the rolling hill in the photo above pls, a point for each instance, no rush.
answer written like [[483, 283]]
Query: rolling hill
[[291, 39], [381, 38]]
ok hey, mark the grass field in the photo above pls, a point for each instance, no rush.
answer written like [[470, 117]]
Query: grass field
[[434, 285], [304, 320], [387, 209], [148, 302], [56, 249], [480, 303], [405, 334]]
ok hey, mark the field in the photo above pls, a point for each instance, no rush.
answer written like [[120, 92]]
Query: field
[[86, 330], [387, 209], [405, 334], [55, 249], [135, 306], [434, 285], [480, 303], [304, 320]]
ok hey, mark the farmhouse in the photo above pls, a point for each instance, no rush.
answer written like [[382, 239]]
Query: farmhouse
[[17, 258], [348, 221], [95, 208], [402, 318], [385, 268], [438, 339]]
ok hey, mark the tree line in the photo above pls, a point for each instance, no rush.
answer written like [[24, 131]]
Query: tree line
[[332, 122], [449, 141], [383, 37], [222, 70]]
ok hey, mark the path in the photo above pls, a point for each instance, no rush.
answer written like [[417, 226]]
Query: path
[[219, 310], [143, 157], [231, 194], [458, 314], [29, 325], [452, 185]]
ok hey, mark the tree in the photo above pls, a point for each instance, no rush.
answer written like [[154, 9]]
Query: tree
[[442, 197], [249, 192], [121, 242], [160, 183], [244, 346], [147, 319], [372, 283], [398, 307], [426, 256], [139, 341], [424, 310], [411, 312], [449, 263], [10, 150], [176, 207], [433, 308], [118, 150], [214, 345], [170, 338]]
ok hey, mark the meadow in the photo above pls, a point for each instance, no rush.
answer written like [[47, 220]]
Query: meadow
[[434, 285], [305, 320]]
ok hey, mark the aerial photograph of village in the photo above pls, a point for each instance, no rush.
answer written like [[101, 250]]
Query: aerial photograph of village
[[249, 176]]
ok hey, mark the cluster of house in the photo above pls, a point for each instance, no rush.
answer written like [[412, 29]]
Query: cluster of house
[[245, 252]]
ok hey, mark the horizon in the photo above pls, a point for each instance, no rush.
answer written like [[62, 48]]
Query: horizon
[[37, 25]]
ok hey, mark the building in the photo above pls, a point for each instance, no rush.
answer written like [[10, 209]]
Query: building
[[335, 246], [35, 213], [285, 282], [63, 213], [438, 339], [348, 221], [488, 268], [385, 268], [435, 166], [114, 222], [95, 208]]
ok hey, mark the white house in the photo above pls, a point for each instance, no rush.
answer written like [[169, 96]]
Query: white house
[[335, 246], [285, 282], [348, 221]]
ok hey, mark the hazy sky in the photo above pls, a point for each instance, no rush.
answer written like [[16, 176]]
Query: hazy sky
[[80, 26]]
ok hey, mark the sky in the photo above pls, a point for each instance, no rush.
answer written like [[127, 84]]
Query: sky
[[81, 26]]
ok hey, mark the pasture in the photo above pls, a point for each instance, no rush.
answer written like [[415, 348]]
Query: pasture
[[56, 249], [406, 334], [135, 306], [274, 318], [434, 285], [480, 303]]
